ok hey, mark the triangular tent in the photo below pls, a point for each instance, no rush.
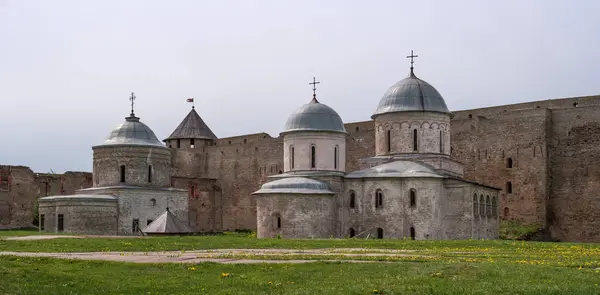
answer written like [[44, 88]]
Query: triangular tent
[[167, 223]]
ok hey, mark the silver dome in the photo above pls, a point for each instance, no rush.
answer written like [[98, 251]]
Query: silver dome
[[396, 169], [295, 185], [314, 116], [132, 132], [409, 95]]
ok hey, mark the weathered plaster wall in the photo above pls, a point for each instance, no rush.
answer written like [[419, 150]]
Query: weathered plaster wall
[[399, 128], [93, 217], [325, 144], [396, 215]]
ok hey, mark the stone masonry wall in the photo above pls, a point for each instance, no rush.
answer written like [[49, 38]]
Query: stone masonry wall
[[22, 187], [553, 152], [574, 202]]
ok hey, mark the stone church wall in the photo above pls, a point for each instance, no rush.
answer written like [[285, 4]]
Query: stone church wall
[[296, 216]]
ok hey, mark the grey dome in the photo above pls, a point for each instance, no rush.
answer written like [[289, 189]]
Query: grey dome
[[409, 95], [396, 169], [295, 185], [314, 116], [132, 132]]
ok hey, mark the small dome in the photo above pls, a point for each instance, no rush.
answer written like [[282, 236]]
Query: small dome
[[297, 185], [409, 95], [132, 132], [314, 116]]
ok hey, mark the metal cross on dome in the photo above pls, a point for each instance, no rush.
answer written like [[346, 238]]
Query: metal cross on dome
[[314, 84], [412, 61], [132, 98]]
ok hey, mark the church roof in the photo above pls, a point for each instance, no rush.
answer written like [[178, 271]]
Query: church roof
[[166, 223], [294, 185], [314, 116], [396, 169], [192, 126], [409, 95], [132, 132]]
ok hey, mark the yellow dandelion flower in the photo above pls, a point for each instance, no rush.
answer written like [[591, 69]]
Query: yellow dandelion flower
[[191, 268], [224, 274]]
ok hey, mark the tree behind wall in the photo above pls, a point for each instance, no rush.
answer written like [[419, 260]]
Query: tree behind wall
[[36, 215]]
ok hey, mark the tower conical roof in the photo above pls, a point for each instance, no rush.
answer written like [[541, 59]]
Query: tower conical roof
[[166, 223], [192, 126]]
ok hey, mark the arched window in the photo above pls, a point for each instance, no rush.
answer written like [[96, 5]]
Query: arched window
[[475, 205], [352, 233], [276, 221], [494, 207], [313, 156], [413, 234], [352, 199], [415, 140], [292, 156], [179, 143], [152, 202], [488, 206], [509, 163], [380, 233], [335, 157], [191, 143], [413, 197], [122, 173], [378, 198], [441, 142], [481, 206], [149, 173], [506, 212], [388, 140], [193, 191], [509, 187]]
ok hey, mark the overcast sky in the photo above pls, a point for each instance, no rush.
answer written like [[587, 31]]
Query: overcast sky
[[67, 67]]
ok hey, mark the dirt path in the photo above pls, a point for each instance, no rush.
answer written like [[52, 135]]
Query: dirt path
[[219, 255]]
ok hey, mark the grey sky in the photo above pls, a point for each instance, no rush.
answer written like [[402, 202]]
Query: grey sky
[[67, 67]]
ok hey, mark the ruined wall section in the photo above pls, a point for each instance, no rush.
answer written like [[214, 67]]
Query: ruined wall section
[[20, 187], [488, 146], [575, 175]]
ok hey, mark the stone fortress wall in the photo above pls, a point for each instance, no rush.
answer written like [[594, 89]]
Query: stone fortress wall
[[542, 154]]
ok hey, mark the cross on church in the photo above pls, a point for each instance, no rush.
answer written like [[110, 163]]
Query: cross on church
[[132, 98], [412, 61], [314, 84]]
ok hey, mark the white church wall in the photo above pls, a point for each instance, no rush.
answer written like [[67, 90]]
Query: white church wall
[[297, 216], [395, 216], [148, 204], [324, 142], [433, 133]]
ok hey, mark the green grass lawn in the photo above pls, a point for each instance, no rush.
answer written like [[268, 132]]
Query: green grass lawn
[[432, 267], [53, 276]]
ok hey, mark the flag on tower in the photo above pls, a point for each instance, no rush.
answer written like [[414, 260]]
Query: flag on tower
[[190, 100]]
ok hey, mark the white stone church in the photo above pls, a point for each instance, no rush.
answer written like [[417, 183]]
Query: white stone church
[[410, 189]]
